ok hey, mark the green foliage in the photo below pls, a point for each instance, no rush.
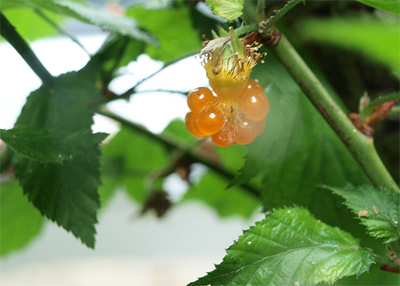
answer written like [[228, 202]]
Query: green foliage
[[385, 5], [92, 15], [130, 158], [22, 18], [20, 221], [117, 51], [49, 147], [227, 9], [176, 37], [67, 192], [301, 150], [377, 208], [177, 130], [382, 43], [290, 247], [212, 191]]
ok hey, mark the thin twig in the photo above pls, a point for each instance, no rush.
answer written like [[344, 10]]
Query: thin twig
[[172, 144], [9, 33], [129, 92]]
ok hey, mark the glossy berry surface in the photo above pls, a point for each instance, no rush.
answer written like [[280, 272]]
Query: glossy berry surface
[[254, 104], [255, 84], [191, 126], [210, 121], [224, 137], [245, 133], [227, 119], [198, 98]]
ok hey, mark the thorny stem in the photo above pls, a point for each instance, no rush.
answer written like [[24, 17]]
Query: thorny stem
[[265, 26], [361, 147], [375, 103], [271, 21], [9, 33], [172, 144]]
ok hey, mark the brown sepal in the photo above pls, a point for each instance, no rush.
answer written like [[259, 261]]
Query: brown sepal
[[361, 125], [380, 113], [158, 201], [273, 38], [251, 38], [390, 268]]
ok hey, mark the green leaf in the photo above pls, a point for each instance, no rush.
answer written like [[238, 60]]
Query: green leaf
[[297, 151], [97, 16], [227, 9], [390, 6], [66, 193], [49, 146], [290, 247], [131, 157], [376, 39], [20, 221], [22, 18], [212, 191], [212, 188], [176, 129], [172, 27], [377, 208]]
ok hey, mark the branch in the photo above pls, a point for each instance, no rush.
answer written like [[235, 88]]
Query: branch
[[9, 33], [172, 144], [361, 147]]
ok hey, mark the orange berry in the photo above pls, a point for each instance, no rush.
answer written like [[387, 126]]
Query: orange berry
[[198, 98], [254, 104], [259, 126], [224, 137], [245, 132], [255, 84], [210, 120], [191, 126]]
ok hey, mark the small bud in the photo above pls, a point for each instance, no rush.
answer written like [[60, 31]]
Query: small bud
[[380, 113], [360, 124]]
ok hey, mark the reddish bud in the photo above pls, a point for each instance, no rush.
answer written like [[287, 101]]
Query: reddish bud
[[380, 113], [360, 124]]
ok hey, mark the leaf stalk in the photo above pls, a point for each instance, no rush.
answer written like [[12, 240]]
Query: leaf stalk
[[172, 144], [8, 31]]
